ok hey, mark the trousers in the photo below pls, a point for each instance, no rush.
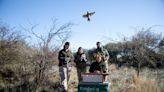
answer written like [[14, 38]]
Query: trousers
[[64, 75]]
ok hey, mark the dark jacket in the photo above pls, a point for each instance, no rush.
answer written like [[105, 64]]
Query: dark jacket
[[63, 54], [96, 66]]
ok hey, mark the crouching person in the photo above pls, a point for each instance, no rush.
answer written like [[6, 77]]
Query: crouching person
[[65, 57], [98, 66]]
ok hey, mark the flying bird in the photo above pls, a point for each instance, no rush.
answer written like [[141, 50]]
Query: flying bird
[[88, 15]]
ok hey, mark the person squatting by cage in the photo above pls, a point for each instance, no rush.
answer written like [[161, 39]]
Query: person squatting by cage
[[97, 66]]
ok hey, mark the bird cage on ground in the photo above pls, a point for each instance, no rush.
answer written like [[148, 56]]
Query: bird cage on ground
[[94, 82]]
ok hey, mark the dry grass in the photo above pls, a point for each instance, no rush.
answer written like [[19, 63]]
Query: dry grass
[[142, 84], [73, 82], [124, 79]]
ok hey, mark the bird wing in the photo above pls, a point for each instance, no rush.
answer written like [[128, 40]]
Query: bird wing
[[84, 15], [91, 13]]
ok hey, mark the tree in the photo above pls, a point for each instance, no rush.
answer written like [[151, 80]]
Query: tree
[[145, 48], [141, 49], [47, 48]]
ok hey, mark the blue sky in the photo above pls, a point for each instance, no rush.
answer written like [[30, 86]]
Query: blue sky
[[113, 18]]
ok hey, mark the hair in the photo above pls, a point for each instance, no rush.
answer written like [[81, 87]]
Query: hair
[[79, 48], [98, 55], [98, 43], [67, 43]]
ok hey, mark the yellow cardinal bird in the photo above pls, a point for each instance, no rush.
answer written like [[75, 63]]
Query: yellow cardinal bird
[[88, 15]]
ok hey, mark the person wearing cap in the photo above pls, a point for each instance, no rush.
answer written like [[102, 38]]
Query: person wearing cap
[[80, 60], [104, 53], [65, 56]]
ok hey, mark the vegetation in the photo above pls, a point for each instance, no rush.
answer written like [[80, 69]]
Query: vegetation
[[25, 67], [144, 49], [136, 63]]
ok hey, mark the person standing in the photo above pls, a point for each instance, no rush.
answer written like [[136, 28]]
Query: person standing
[[80, 60], [65, 56], [104, 54]]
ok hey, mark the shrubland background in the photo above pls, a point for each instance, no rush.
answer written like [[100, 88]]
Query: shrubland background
[[136, 63]]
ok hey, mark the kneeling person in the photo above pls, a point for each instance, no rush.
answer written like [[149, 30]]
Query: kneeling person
[[98, 66]]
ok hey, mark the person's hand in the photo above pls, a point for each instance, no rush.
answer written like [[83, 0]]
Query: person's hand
[[83, 56], [96, 71], [104, 58], [67, 59]]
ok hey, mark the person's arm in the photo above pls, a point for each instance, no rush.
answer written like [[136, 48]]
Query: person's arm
[[106, 55], [59, 56]]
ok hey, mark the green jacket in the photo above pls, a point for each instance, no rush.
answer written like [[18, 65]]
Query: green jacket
[[102, 51], [63, 56]]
